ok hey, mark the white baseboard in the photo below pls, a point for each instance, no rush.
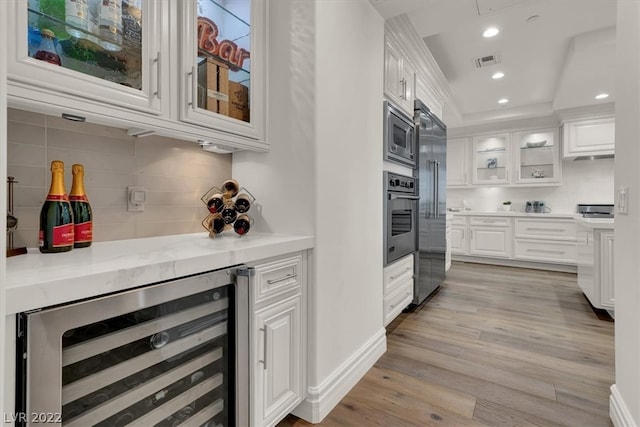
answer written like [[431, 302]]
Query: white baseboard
[[618, 411], [323, 398]]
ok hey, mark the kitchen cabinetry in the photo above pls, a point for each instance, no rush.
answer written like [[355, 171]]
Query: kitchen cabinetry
[[457, 162], [459, 235], [537, 156], [491, 159], [399, 78], [398, 287], [588, 137], [547, 240], [595, 265], [447, 254], [277, 339], [149, 80], [490, 237]]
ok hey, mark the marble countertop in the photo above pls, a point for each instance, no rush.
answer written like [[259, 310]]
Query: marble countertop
[[597, 223], [38, 280], [517, 214]]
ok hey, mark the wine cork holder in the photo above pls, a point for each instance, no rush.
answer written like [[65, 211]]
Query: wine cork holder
[[226, 204]]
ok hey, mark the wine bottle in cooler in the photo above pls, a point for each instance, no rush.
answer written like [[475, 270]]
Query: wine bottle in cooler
[[56, 215], [82, 215]]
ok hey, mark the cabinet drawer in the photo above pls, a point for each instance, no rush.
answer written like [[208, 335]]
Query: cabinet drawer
[[397, 301], [277, 277], [546, 228], [458, 220], [547, 251], [398, 273], [490, 221]]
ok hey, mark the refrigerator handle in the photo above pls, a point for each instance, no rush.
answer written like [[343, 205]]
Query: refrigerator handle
[[436, 191]]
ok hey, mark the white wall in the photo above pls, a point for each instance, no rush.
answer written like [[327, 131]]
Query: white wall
[[325, 167], [627, 230], [3, 196], [583, 181]]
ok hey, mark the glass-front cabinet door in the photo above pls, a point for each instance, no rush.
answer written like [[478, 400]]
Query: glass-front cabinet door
[[107, 51], [491, 159], [537, 156], [223, 63]]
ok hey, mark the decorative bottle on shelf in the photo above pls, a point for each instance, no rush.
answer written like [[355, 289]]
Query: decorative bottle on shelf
[[56, 215], [110, 24], [47, 50], [77, 16], [82, 215]]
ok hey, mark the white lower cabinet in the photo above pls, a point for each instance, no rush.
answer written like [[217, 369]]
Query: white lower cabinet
[[607, 294], [398, 287], [490, 237], [459, 236], [277, 342], [545, 240], [595, 266]]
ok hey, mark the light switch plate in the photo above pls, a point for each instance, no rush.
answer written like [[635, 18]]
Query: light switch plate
[[622, 204], [136, 196]]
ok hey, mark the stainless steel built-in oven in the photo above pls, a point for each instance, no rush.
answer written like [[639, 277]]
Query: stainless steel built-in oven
[[401, 216], [172, 353], [399, 141]]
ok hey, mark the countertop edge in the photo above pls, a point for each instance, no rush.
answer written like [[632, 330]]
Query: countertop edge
[[72, 279], [518, 214]]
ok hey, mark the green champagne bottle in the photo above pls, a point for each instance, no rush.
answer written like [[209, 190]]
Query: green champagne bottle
[[56, 217]]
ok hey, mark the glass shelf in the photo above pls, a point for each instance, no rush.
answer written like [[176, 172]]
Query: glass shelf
[[537, 148], [536, 165], [89, 53], [497, 150], [497, 167]]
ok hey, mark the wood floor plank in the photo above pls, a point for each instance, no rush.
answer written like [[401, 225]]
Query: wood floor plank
[[494, 346]]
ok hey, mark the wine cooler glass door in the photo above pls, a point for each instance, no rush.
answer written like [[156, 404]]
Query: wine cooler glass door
[[163, 355]]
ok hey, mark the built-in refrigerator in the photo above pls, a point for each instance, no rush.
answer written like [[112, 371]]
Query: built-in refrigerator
[[431, 171]]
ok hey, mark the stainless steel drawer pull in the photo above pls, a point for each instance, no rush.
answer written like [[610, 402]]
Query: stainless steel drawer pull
[[559, 230], [403, 271], [288, 276], [546, 251]]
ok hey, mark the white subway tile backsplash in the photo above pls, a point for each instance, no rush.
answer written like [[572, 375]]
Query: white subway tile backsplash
[[21, 133], [26, 155], [175, 173]]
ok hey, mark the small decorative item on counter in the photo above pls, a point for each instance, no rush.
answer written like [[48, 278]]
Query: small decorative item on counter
[[224, 205], [506, 206], [12, 221], [82, 215], [47, 50], [56, 216]]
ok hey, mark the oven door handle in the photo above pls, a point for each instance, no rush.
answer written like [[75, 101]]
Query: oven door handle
[[403, 196]]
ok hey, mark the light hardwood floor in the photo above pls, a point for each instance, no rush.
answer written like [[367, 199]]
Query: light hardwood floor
[[495, 346]]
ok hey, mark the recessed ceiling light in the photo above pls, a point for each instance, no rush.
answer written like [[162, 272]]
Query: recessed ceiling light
[[490, 32], [602, 96], [503, 101], [498, 75]]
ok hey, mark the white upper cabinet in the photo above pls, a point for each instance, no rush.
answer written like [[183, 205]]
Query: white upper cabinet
[[491, 159], [223, 67], [92, 50], [457, 162], [399, 78], [589, 137], [191, 69], [537, 156]]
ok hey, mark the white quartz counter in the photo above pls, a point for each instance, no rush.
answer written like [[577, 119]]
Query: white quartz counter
[[518, 214], [596, 223], [38, 280]]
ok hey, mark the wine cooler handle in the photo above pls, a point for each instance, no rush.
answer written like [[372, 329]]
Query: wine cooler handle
[[264, 350], [158, 75]]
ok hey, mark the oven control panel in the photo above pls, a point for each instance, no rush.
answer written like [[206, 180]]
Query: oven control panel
[[399, 183]]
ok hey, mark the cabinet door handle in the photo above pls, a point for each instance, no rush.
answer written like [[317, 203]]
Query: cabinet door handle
[[158, 75], [194, 88], [264, 348], [282, 279]]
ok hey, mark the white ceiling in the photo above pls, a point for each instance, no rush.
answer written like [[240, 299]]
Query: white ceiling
[[557, 61]]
